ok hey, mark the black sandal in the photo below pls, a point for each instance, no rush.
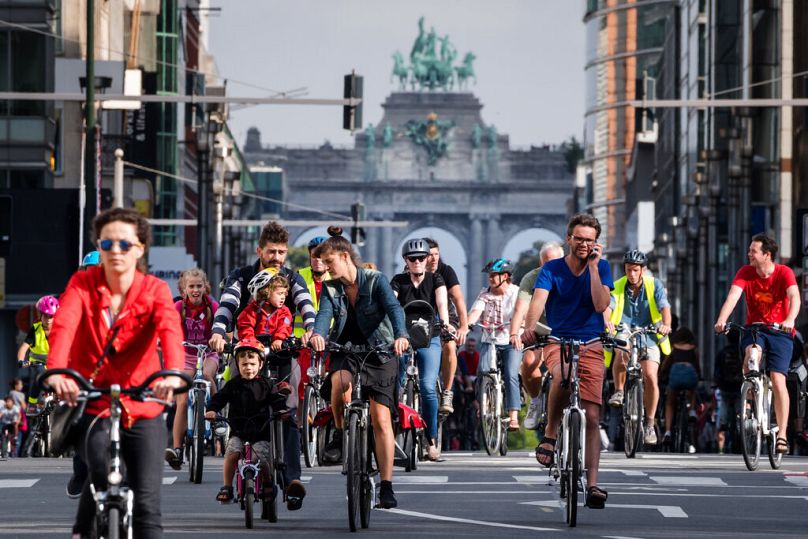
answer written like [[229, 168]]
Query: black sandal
[[596, 498], [781, 446], [225, 495], [295, 493], [544, 452]]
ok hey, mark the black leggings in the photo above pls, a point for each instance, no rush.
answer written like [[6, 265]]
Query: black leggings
[[142, 449]]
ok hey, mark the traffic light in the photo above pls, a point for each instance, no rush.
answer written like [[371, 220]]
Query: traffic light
[[352, 116], [357, 232]]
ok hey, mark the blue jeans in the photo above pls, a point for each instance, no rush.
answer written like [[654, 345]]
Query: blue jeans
[[511, 359], [428, 360], [291, 448]]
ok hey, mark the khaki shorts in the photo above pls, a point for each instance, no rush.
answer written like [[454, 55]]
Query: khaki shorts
[[652, 350], [260, 448], [591, 371]]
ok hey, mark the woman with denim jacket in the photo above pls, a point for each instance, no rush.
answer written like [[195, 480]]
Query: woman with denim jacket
[[364, 312]]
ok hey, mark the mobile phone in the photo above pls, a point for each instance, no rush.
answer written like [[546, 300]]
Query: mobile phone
[[594, 254]]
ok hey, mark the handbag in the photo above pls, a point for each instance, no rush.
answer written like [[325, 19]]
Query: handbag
[[64, 419]]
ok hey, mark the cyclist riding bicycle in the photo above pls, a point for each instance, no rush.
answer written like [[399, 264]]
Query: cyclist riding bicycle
[[364, 310], [575, 291], [34, 349], [196, 310], [418, 284], [494, 308], [639, 300], [249, 395], [681, 369], [772, 297]]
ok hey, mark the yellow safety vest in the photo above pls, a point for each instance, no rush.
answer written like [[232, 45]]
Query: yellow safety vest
[[619, 294], [299, 330], [38, 353]]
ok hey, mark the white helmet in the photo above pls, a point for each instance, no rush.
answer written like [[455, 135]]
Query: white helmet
[[260, 280]]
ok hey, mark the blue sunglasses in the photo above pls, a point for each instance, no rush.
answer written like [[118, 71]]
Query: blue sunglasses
[[125, 245]]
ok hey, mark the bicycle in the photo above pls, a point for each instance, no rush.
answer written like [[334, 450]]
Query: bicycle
[[357, 441], [570, 449], [757, 413], [494, 417], [114, 505], [249, 479], [199, 431], [634, 391], [313, 441], [37, 443]]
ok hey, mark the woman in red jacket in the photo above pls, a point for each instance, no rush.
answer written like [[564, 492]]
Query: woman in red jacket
[[116, 306]]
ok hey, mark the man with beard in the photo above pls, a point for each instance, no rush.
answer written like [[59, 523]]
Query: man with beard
[[273, 246]]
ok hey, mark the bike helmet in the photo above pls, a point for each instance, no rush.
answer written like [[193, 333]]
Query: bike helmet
[[415, 246], [91, 259], [635, 256], [315, 241], [47, 305], [249, 344], [260, 280], [498, 265]]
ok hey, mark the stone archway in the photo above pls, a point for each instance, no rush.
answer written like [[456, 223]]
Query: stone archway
[[524, 240], [451, 249], [302, 239]]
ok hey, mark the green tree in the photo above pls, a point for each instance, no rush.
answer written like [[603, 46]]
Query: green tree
[[297, 258], [527, 261], [573, 153]]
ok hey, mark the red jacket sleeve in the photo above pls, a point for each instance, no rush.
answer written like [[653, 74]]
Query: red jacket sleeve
[[246, 321], [282, 324], [169, 327], [65, 322]]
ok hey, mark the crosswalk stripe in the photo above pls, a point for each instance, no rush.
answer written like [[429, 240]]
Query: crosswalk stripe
[[17, 483]]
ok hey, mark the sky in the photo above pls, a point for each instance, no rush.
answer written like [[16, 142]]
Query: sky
[[530, 60]]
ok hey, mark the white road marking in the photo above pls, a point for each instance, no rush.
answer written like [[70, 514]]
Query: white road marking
[[170, 480], [694, 495], [305, 478], [532, 479], [430, 516], [689, 481], [800, 480], [421, 479], [637, 473], [486, 492], [17, 483], [667, 511]]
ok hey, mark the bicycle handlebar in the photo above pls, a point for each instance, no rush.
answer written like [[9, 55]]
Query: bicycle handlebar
[[755, 326], [359, 348], [140, 392]]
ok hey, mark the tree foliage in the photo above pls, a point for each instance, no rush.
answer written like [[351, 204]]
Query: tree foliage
[[527, 261], [297, 258], [573, 153]]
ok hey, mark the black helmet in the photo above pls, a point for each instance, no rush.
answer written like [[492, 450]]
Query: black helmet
[[415, 246], [498, 265], [635, 256]]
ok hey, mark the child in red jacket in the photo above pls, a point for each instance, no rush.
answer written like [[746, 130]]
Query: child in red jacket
[[266, 313]]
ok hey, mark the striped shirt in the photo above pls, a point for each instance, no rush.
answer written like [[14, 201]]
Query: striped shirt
[[236, 296]]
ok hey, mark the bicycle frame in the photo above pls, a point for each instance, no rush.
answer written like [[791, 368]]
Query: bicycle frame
[[574, 407], [200, 389]]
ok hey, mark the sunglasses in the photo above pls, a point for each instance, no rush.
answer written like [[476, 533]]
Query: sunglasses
[[125, 245], [414, 259]]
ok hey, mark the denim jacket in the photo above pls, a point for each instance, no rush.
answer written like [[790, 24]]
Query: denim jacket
[[378, 313]]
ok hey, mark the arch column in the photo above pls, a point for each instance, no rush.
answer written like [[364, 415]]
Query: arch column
[[476, 255], [494, 243], [385, 247]]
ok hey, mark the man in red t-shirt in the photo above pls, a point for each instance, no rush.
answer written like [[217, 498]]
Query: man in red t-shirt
[[772, 297]]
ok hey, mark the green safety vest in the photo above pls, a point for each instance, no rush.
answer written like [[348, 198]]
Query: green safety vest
[[299, 330], [619, 294], [38, 353]]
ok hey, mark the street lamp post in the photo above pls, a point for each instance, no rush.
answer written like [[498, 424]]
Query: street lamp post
[[202, 211]]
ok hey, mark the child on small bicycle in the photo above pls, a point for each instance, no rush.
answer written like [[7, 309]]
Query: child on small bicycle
[[9, 420], [251, 398], [33, 352], [266, 313], [196, 310]]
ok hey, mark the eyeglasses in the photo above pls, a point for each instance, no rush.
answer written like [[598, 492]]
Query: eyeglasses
[[125, 245], [585, 241], [415, 259]]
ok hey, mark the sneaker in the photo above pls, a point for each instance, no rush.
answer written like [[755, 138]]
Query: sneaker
[[332, 454], [667, 439], [432, 452], [174, 457], [649, 436], [616, 400], [446, 402], [387, 499], [74, 487], [533, 414], [295, 493], [692, 417], [691, 448]]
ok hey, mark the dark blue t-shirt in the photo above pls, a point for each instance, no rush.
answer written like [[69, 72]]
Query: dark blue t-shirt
[[569, 307]]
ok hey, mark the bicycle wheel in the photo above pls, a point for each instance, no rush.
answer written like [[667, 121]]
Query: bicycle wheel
[[353, 470], [271, 506], [680, 425], [113, 523], [441, 418], [365, 464], [490, 423], [323, 437], [310, 409], [573, 467], [198, 440], [249, 500], [503, 432], [632, 418], [280, 463], [29, 446], [775, 458], [750, 428]]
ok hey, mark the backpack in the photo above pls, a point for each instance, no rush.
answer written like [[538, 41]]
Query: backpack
[[730, 365]]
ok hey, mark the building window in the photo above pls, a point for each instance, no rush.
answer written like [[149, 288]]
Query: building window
[[22, 69]]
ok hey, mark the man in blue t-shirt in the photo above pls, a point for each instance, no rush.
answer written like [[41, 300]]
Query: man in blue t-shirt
[[574, 291]]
